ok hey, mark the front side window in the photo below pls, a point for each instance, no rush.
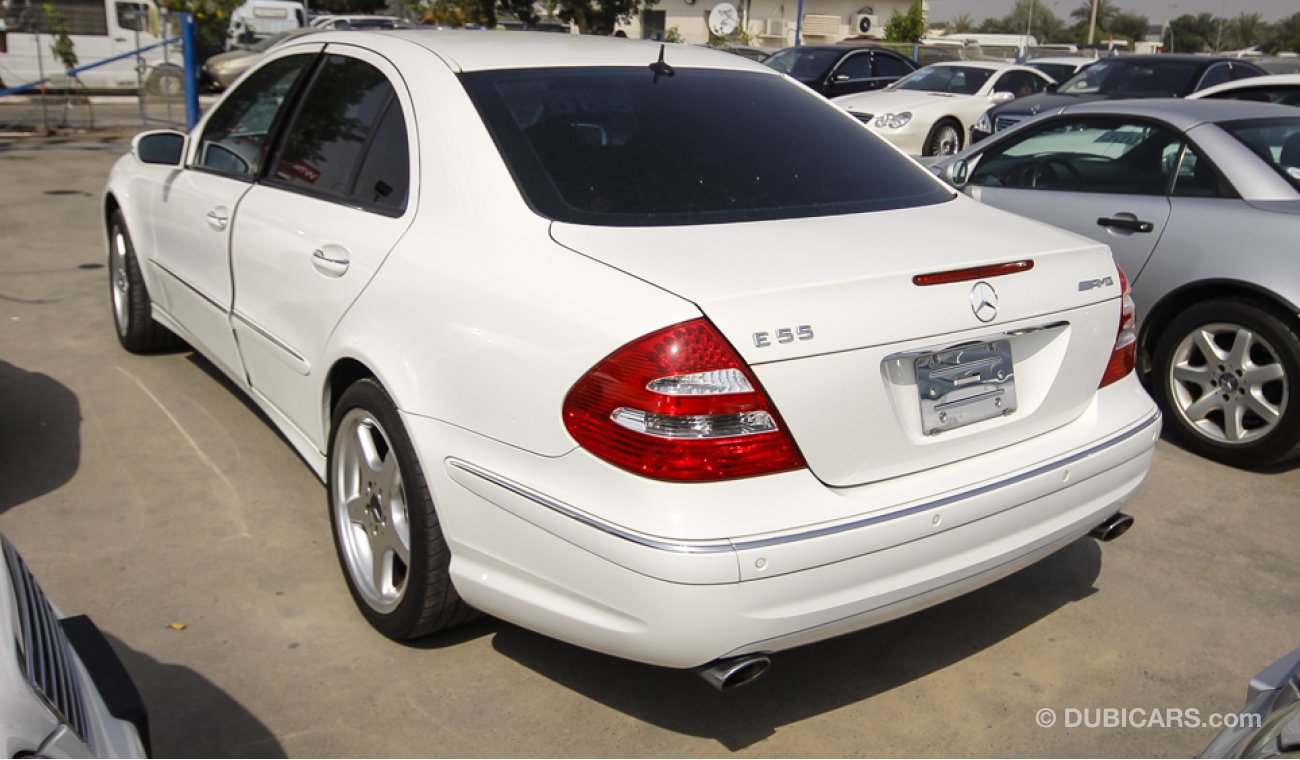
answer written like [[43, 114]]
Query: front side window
[[235, 138], [857, 66], [334, 129], [1216, 74], [1085, 155], [1275, 141], [620, 146]]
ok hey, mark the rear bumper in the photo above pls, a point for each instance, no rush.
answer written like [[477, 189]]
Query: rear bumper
[[527, 547]]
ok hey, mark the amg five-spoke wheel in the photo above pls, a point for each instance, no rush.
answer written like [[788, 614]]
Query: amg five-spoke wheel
[[132, 310], [386, 531], [1225, 371]]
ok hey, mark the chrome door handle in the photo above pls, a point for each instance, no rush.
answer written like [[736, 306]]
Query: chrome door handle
[[332, 264], [218, 220]]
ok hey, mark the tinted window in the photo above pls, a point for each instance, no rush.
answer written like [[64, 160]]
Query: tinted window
[[1085, 155], [384, 179], [1131, 79], [1019, 83], [963, 80], [1057, 71], [803, 64], [855, 67], [235, 138], [334, 127], [1287, 95], [612, 146], [889, 66], [1275, 141], [1217, 74]]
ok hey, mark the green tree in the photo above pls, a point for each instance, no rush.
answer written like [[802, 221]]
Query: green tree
[[211, 22], [1106, 12], [961, 24], [1191, 34], [1285, 36], [61, 45], [906, 27], [1247, 30], [599, 16], [1129, 26], [1033, 17]]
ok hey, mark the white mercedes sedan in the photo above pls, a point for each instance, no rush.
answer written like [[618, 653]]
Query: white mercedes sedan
[[930, 111], [580, 335]]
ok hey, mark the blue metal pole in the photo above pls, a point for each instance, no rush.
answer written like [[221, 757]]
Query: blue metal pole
[[191, 70], [798, 26]]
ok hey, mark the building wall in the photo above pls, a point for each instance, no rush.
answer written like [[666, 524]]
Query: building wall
[[826, 21]]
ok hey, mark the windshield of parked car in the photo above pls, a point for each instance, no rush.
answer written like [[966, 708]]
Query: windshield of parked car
[[1129, 79], [961, 80], [1275, 141], [627, 147], [1058, 71], [803, 64]]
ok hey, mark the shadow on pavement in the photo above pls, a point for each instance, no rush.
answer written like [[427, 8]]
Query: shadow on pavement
[[41, 445], [817, 679], [189, 716]]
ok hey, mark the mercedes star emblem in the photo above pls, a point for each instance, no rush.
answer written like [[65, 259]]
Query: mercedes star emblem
[[984, 301]]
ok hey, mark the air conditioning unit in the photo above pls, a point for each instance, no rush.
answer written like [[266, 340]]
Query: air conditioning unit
[[776, 27], [867, 25], [822, 25]]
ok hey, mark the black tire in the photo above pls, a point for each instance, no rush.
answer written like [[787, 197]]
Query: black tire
[[1237, 407], [166, 81], [933, 140], [426, 601], [132, 309]]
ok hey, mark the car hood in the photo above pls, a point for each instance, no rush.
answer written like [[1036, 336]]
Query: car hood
[[893, 101], [222, 59]]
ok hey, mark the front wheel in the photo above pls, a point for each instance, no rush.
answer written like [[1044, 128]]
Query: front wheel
[[389, 541], [944, 139], [132, 310], [1224, 375]]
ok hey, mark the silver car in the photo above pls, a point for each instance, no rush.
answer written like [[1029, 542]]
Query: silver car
[[1200, 203]]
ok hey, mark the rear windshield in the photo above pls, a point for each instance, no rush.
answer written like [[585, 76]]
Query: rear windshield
[[1275, 141], [1128, 79], [615, 147]]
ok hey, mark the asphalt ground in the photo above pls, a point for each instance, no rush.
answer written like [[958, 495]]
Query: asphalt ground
[[145, 491]]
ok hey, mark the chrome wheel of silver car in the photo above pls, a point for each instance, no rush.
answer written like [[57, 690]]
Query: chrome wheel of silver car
[[1222, 370], [370, 511], [1228, 383], [944, 140]]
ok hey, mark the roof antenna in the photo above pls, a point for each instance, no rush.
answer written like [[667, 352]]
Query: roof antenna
[[660, 68]]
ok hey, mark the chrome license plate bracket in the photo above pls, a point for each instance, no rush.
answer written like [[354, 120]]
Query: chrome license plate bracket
[[964, 385]]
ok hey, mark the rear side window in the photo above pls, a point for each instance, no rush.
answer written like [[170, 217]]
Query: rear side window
[[889, 66], [348, 139], [613, 146], [1275, 141]]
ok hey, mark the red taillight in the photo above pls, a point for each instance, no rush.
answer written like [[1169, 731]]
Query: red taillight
[[679, 404], [1124, 355]]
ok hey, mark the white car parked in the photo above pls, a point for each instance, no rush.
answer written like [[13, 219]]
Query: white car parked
[[928, 112], [1274, 88], [581, 336]]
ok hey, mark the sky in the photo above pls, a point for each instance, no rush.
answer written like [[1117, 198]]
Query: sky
[[1157, 11]]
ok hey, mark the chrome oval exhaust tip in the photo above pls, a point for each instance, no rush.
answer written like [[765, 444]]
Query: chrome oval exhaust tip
[[1112, 528], [727, 674]]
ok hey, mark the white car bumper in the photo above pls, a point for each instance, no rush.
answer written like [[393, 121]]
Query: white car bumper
[[528, 547]]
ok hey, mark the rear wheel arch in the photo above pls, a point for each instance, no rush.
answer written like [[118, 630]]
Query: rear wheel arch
[[1171, 305], [343, 375]]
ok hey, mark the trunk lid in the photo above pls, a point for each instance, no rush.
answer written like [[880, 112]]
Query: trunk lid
[[826, 312]]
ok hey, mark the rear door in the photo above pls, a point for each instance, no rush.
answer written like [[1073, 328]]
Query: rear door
[[1105, 178], [336, 199]]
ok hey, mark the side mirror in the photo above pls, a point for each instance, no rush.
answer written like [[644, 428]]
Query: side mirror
[[162, 146], [1002, 97], [1053, 87], [957, 173]]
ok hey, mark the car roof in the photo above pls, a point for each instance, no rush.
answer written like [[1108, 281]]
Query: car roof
[[485, 50], [1184, 114], [1241, 84], [980, 64], [1069, 60]]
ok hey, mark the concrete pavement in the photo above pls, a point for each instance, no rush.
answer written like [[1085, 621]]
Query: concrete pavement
[[144, 491]]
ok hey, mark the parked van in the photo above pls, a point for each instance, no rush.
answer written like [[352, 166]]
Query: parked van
[[256, 20], [1009, 47], [99, 29]]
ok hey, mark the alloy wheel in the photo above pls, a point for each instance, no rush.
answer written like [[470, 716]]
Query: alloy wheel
[[1228, 383]]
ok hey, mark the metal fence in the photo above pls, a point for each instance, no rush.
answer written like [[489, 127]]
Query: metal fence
[[82, 64]]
